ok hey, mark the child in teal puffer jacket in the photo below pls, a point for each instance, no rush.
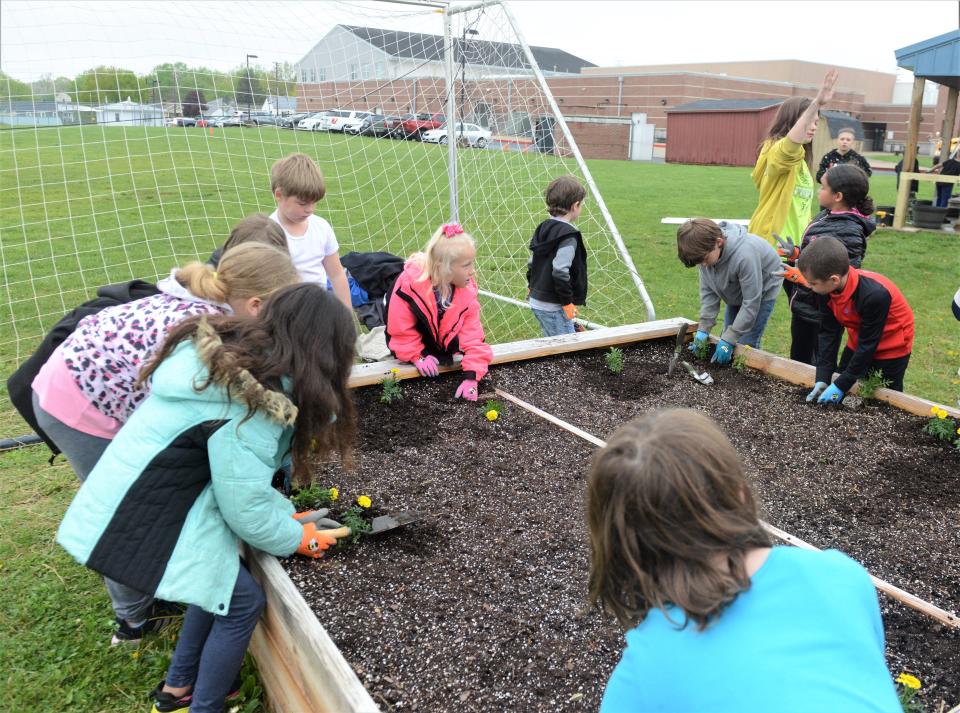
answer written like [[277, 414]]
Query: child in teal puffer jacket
[[188, 477]]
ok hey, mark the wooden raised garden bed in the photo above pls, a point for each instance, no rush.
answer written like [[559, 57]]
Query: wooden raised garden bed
[[481, 606]]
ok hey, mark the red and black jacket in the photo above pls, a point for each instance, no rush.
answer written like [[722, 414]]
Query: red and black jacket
[[415, 327], [878, 321]]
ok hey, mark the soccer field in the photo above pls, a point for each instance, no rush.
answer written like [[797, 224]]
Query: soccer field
[[83, 207]]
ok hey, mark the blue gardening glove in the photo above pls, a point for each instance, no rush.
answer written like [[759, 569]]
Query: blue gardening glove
[[818, 389], [833, 395], [699, 338], [723, 353]]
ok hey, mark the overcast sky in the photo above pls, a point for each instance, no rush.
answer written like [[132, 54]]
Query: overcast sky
[[64, 37]]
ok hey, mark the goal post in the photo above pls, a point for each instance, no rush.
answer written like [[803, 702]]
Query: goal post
[[104, 178]]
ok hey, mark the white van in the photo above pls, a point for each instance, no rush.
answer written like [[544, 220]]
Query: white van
[[341, 120]]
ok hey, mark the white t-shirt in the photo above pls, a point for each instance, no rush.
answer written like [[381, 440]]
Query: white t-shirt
[[309, 250]]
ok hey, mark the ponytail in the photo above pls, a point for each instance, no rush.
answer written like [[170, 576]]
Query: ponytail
[[853, 182], [245, 271]]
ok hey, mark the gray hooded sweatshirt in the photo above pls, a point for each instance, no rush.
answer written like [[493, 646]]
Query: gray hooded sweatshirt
[[742, 277]]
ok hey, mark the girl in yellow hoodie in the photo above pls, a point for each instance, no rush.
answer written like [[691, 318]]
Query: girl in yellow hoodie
[[782, 174]]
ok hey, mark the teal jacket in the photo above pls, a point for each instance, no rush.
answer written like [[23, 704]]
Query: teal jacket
[[185, 480]]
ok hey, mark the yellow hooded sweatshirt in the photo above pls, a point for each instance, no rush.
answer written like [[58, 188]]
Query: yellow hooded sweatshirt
[[782, 178]]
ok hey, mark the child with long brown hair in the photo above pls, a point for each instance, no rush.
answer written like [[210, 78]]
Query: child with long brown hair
[[782, 174], [188, 477], [716, 619], [434, 312]]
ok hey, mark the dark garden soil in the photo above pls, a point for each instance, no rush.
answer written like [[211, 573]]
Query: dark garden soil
[[482, 607]]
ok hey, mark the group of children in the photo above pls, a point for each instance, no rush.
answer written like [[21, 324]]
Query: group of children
[[175, 409], [827, 290]]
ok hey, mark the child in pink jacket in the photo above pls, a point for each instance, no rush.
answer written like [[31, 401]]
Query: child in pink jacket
[[434, 312]]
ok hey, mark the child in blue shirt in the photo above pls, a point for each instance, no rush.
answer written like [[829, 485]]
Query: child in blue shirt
[[716, 619]]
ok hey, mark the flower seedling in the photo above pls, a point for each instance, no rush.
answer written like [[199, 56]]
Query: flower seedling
[[492, 409], [907, 688], [701, 350], [874, 380], [614, 359], [942, 427], [740, 360], [391, 387], [356, 519], [314, 497]]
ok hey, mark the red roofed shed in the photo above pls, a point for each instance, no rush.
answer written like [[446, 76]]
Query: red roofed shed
[[723, 132]]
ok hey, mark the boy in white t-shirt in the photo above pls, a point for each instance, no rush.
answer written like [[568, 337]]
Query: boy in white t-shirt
[[297, 184]]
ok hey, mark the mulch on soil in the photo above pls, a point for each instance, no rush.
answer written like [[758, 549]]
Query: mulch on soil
[[482, 607]]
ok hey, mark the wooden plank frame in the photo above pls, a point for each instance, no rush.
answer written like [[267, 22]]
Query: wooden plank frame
[[300, 666]]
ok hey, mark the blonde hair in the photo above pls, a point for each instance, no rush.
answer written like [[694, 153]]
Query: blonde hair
[[299, 176], [245, 271], [437, 259]]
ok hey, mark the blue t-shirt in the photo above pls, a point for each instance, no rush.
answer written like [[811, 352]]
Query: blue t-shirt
[[806, 636]]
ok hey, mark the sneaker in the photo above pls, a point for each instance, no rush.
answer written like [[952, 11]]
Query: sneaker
[[168, 703], [160, 616]]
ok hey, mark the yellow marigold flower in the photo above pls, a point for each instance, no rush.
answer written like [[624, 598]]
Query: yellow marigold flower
[[958, 431], [364, 502], [394, 371], [909, 681], [334, 493], [492, 415], [942, 414], [934, 410]]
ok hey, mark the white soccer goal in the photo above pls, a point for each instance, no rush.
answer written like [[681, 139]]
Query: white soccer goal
[[97, 188]]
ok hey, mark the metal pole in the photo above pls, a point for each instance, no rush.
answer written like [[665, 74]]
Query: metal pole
[[451, 116], [618, 240]]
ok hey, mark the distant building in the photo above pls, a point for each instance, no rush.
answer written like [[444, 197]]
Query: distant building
[[351, 54], [221, 107], [129, 113], [275, 104], [46, 113]]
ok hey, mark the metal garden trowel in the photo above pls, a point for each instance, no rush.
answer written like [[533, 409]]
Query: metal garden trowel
[[703, 378], [379, 525]]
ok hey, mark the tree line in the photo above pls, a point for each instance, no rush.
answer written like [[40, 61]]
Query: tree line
[[171, 82]]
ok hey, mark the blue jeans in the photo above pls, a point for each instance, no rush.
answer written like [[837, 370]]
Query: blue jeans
[[944, 191], [555, 323], [83, 451], [211, 647], [752, 337]]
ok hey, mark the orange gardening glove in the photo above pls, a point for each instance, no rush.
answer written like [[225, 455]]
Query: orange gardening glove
[[570, 310], [792, 274], [314, 542], [786, 248]]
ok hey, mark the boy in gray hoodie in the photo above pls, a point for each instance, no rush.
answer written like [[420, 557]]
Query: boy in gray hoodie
[[737, 268]]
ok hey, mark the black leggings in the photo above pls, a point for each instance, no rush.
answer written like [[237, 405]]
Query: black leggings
[[803, 340], [891, 369]]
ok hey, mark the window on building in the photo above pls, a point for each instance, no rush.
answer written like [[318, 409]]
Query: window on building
[[353, 71], [313, 75], [116, 117], [303, 75], [366, 71], [322, 74], [381, 70]]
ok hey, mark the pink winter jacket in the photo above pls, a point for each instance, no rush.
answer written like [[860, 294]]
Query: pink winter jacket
[[413, 330]]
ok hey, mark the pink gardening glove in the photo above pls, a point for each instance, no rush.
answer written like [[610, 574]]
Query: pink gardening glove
[[467, 390], [427, 366]]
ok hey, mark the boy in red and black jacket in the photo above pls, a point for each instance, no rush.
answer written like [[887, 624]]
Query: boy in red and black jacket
[[878, 320]]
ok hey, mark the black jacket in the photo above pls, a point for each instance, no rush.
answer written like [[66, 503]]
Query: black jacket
[[851, 229], [835, 158], [566, 282], [20, 382], [374, 272]]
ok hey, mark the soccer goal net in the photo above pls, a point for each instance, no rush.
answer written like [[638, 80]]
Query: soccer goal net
[[133, 136]]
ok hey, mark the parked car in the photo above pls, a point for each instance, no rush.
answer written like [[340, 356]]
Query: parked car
[[414, 127], [228, 121], [379, 125], [182, 121], [312, 122], [290, 121], [341, 120], [471, 134], [396, 125], [263, 119], [364, 127]]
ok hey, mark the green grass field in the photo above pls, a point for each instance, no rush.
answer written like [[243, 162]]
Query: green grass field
[[118, 203]]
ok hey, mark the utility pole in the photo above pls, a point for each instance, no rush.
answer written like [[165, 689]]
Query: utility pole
[[463, 75], [249, 86]]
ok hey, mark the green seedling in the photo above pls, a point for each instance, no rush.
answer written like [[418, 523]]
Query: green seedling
[[358, 524], [868, 386], [314, 497], [391, 390], [614, 359]]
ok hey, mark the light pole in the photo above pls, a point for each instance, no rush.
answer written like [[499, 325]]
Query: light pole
[[249, 85], [463, 76]]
